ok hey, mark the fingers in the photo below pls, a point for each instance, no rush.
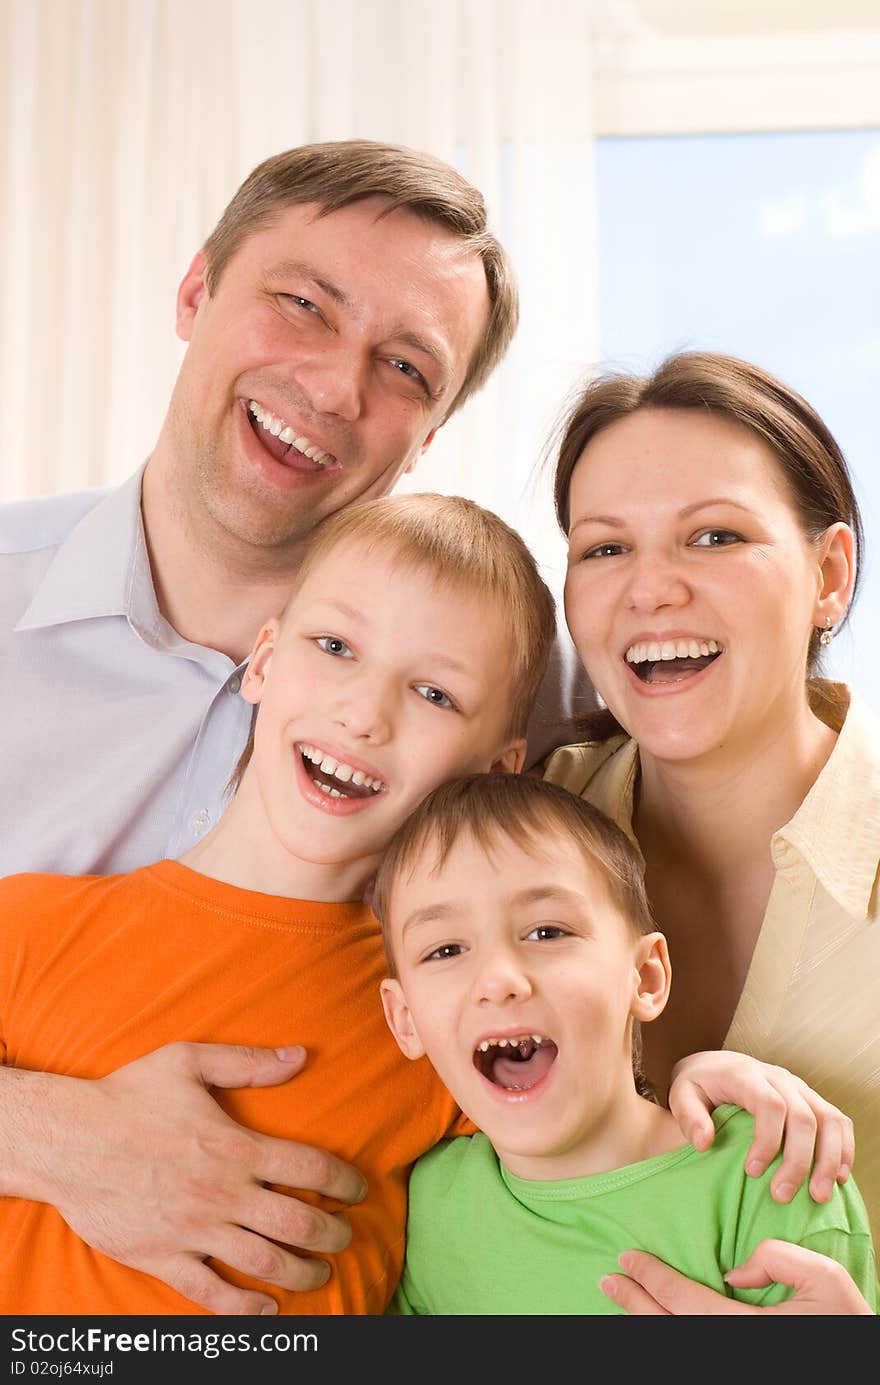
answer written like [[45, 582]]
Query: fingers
[[835, 1151], [691, 1108], [631, 1296], [821, 1285], [671, 1292], [292, 1165], [783, 1121], [196, 1281], [280, 1217], [232, 1065], [810, 1132], [269, 1263]]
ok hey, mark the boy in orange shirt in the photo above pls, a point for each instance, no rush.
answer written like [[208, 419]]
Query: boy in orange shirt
[[409, 652]]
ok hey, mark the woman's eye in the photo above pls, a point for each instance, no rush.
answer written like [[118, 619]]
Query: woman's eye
[[545, 932], [604, 550], [436, 696], [716, 538], [331, 644]]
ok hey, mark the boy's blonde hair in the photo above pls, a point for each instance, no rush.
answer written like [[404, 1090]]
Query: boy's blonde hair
[[462, 546], [520, 808]]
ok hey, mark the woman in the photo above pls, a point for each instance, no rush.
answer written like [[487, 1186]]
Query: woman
[[714, 540]]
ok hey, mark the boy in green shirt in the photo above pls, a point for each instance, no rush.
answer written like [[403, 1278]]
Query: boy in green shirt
[[523, 960]]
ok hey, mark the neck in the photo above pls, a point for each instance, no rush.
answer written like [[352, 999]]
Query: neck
[[212, 588], [721, 810], [242, 850], [623, 1129]]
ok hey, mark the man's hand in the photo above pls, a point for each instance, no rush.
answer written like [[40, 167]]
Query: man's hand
[[651, 1288], [147, 1168], [788, 1114]]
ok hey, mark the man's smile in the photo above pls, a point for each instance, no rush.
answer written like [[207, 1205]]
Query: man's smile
[[282, 441]]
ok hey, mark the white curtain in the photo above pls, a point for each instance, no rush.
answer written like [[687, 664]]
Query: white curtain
[[128, 124]]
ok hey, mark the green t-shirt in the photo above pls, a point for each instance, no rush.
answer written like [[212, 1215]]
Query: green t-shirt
[[482, 1241]]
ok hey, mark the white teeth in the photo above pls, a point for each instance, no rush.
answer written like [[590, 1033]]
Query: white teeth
[[342, 772], [279, 429], [652, 651]]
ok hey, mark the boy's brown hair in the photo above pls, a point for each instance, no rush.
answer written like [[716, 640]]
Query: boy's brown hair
[[341, 172], [465, 548], [521, 808]]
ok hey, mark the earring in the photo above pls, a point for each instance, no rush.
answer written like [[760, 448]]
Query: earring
[[825, 637]]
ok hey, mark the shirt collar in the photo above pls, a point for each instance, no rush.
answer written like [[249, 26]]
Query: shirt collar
[[836, 830], [101, 569]]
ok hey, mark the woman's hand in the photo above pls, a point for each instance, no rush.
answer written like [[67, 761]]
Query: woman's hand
[[789, 1116], [650, 1287]]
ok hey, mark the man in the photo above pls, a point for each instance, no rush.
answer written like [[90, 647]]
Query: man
[[348, 301]]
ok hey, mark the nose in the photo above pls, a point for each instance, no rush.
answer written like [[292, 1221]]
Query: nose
[[656, 580], [365, 709], [333, 379], [501, 977]]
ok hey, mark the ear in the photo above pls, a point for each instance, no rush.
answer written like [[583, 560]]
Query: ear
[[411, 466], [399, 1019], [190, 294], [511, 760], [653, 976], [253, 682], [837, 574]]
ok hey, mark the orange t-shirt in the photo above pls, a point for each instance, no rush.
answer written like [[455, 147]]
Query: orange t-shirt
[[98, 970]]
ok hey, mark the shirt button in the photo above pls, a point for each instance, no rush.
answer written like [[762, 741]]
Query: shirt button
[[200, 822], [234, 684]]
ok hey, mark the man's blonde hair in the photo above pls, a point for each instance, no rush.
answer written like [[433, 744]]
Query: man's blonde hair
[[338, 173], [463, 547]]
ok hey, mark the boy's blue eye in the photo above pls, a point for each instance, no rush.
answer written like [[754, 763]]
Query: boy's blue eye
[[331, 644], [436, 696]]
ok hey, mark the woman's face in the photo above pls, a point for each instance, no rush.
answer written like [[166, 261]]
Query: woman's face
[[691, 588]]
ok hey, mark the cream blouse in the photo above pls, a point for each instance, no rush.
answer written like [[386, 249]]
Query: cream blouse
[[811, 999]]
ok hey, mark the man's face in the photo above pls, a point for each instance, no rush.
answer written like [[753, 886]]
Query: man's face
[[379, 684], [320, 368], [519, 976]]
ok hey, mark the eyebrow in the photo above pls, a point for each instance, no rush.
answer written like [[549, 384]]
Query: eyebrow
[[341, 608], [534, 894], [301, 269], [615, 522]]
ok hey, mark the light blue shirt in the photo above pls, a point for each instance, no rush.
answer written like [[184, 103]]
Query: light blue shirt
[[118, 736]]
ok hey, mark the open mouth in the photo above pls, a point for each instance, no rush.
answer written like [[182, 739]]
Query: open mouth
[[335, 778], [516, 1064], [673, 661], [283, 443]]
